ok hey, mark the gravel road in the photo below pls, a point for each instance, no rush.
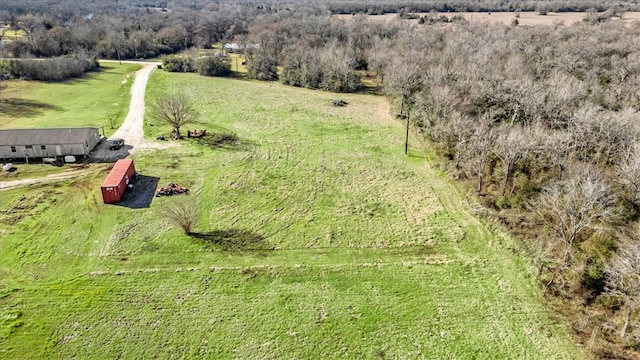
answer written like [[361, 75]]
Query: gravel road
[[131, 131]]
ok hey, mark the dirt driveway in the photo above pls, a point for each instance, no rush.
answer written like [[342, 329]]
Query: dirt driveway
[[131, 131]]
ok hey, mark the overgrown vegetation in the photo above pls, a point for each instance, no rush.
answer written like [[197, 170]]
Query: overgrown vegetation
[[52, 69], [207, 65], [542, 121]]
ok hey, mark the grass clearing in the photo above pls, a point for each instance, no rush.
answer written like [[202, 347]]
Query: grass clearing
[[317, 238], [99, 99], [9, 34]]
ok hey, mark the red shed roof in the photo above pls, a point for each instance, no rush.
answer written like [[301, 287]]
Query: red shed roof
[[117, 173]]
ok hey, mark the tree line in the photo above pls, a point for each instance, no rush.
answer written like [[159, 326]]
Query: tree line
[[544, 122], [69, 7]]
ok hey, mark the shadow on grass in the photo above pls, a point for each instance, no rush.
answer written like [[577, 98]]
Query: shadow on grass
[[15, 107], [224, 140], [232, 239], [371, 90], [417, 153], [142, 193]]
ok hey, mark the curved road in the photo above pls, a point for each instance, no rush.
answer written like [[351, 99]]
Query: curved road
[[131, 130]]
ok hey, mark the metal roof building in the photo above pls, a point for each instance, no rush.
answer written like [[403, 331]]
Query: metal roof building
[[52, 142]]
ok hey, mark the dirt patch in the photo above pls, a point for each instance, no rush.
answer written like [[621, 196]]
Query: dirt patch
[[233, 239], [26, 205], [6, 185]]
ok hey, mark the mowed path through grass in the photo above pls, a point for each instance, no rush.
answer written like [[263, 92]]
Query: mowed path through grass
[[317, 238]]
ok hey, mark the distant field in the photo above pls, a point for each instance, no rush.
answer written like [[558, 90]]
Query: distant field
[[99, 99], [318, 238], [526, 18], [8, 34]]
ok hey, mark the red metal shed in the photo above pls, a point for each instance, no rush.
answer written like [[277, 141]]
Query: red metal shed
[[115, 184]]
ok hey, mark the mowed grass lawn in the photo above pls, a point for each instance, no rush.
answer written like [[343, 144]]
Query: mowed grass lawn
[[317, 238], [101, 98]]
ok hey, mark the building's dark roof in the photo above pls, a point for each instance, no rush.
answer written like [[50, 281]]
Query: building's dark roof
[[52, 136]]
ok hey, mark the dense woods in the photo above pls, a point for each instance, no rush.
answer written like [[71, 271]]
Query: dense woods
[[542, 123]]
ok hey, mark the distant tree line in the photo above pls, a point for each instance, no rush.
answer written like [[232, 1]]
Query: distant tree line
[[67, 8], [133, 30]]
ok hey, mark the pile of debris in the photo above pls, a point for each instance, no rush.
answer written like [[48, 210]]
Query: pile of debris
[[196, 133], [171, 189]]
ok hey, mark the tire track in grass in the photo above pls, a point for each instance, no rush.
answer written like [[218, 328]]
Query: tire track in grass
[[481, 242]]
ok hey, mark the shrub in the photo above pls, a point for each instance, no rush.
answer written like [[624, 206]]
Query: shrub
[[341, 82], [262, 67], [216, 65], [610, 302], [177, 63], [52, 69]]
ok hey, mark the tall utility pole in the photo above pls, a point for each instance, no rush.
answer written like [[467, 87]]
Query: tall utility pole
[[406, 140], [135, 47]]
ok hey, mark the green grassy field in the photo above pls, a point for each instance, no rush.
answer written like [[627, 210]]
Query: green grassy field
[[99, 99], [317, 238]]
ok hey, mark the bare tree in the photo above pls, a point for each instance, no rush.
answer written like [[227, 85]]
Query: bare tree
[[478, 148], [628, 173], [175, 109], [404, 78], [552, 148], [380, 57], [574, 204], [512, 145], [182, 212], [623, 278], [116, 41], [29, 23]]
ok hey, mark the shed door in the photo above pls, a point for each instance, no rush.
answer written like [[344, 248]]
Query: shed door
[[58, 150]]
